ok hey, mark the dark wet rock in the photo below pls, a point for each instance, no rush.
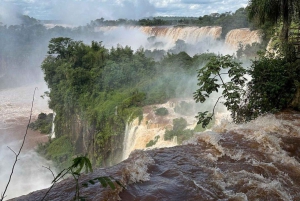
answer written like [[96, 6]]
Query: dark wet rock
[[254, 161]]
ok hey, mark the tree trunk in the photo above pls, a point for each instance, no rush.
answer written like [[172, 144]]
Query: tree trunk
[[286, 21]]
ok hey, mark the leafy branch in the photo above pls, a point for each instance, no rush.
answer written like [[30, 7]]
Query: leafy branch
[[210, 80], [80, 163], [75, 169]]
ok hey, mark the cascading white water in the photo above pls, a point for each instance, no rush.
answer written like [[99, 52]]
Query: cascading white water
[[203, 36], [242, 36], [52, 135], [189, 34], [138, 134], [129, 138]]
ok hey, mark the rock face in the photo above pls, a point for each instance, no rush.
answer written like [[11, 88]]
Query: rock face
[[254, 161], [126, 172]]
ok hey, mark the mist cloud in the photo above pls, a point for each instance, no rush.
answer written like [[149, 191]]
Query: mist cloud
[[83, 11], [9, 13]]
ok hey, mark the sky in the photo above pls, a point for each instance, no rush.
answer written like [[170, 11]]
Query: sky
[[83, 11]]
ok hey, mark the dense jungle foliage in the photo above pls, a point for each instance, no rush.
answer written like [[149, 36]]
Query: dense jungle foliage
[[105, 88]]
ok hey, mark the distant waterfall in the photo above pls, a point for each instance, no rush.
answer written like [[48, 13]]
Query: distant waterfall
[[189, 34], [194, 34], [52, 134], [242, 36]]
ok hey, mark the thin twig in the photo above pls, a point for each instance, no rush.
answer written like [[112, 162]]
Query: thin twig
[[17, 155], [219, 74], [50, 171], [221, 79], [54, 182], [12, 150], [215, 106]]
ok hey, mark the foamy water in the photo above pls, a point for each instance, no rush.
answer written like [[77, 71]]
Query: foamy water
[[205, 38], [29, 174], [138, 134], [254, 161]]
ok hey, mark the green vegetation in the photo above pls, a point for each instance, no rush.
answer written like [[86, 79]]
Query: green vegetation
[[272, 88], [199, 127], [161, 111], [59, 150], [275, 82], [152, 142], [75, 169], [179, 130], [247, 52], [102, 89], [210, 79], [43, 123], [264, 12]]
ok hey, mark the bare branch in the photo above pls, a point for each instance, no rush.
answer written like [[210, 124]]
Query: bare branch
[[49, 170], [12, 150], [17, 155]]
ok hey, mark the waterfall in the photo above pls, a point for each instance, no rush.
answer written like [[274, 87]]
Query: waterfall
[[188, 34], [138, 134], [192, 34], [52, 134], [174, 140], [242, 36], [129, 138]]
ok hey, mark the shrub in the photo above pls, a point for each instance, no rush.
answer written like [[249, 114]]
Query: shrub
[[153, 142], [272, 88], [60, 150], [161, 111], [43, 123], [178, 130]]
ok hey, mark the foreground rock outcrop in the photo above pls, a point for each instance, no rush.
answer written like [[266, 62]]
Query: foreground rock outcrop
[[254, 161]]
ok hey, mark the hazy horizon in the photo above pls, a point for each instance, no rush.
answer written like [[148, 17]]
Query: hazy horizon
[[82, 12]]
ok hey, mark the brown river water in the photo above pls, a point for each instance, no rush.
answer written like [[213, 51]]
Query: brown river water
[[29, 174], [254, 161]]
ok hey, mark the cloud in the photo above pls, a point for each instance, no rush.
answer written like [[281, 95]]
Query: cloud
[[9, 13], [195, 7], [83, 11]]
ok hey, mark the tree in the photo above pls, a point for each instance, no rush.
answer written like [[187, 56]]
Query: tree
[[273, 11], [211, 79], [60, 46]]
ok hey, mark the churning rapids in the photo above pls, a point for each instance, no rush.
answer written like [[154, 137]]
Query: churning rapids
[[254, 161]]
